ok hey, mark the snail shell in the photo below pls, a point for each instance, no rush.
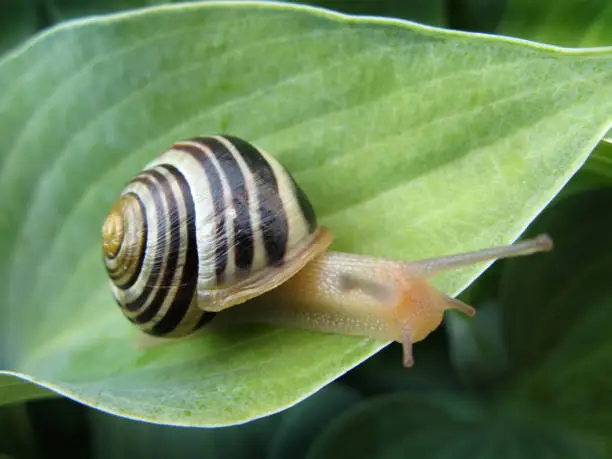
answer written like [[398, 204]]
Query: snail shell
[[210, 223]]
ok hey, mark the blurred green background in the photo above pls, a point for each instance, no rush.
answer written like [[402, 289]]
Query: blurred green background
[[455, 403]]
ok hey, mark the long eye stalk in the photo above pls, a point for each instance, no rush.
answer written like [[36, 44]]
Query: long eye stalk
[[433, 266]]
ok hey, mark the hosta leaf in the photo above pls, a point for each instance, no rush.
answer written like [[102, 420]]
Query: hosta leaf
[[478, 351], [560, 22], [600, 162], [60, 426], [14, 389], [124, 438], [410, 141], [270, 437], [475, 15], [301, 424], [430, 12], [17, 438], [444, 426], [554, 293], [425, 11], [561, 356], [61, 10]]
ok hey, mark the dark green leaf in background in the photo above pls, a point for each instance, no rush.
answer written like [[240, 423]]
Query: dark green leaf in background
[[61, 428], [478, 351], [301, 424], [122, 438], [596, 172], [18, 21], [13, 390], [548, 298], [17, 438], [425, 11], [61, 10], [431, 12], [382, 374], [444, 426], [558, 315], [569, 23], [600, 162], [474, 15]]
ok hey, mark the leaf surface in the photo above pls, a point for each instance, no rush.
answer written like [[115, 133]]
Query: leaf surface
[[410, 142], [560, 22]]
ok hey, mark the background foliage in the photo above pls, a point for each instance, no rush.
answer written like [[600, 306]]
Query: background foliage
[[526, 378]]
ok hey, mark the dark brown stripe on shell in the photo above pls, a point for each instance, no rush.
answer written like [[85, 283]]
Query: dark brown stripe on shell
[[216, 192], [156, 258], [243, 231], [204, 320], [272, 216], [189, 277], [305, 206], [172, 226]]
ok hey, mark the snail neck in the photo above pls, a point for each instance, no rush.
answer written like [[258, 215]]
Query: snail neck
[[353, 295]]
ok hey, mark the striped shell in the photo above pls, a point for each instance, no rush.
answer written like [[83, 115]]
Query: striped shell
[[208, 224]]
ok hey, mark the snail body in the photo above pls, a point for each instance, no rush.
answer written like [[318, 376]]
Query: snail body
[[214, 222]]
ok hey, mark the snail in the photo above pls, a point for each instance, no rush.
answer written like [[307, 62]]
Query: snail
[[216, 222]]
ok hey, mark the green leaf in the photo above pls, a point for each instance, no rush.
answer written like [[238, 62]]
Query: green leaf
[[302, 423], [600, 161], [477, 350], [270, 437], [554, 292], [430, 12], [61, 427], [18, 21], [14, 389], [410, 142], [123, 438], [559, 22], [596, 172], [424, 11], [17, 438], [61, 10], [475, 15], [565, 297], [444, 426]]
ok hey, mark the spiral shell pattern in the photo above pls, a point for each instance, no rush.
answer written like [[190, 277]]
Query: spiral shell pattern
[[207, 213]]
